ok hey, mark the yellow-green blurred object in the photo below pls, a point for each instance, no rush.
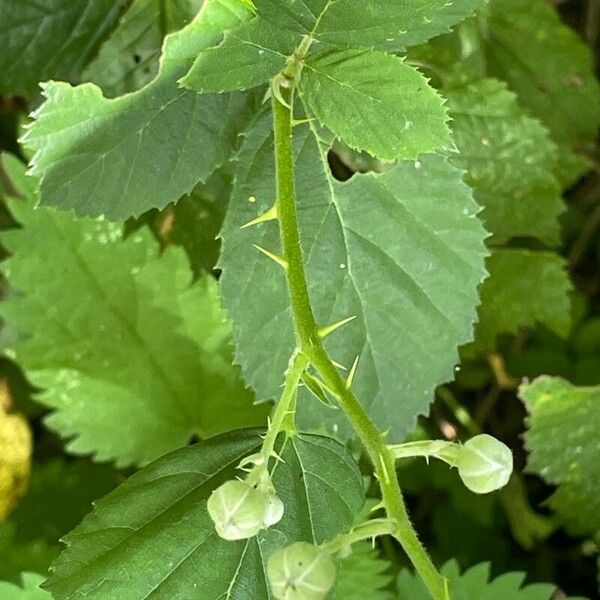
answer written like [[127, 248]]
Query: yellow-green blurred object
[[15, 455]]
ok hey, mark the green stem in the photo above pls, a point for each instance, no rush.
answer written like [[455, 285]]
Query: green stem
[[369, 529], [309, 341], [440, 449], [281, 416]]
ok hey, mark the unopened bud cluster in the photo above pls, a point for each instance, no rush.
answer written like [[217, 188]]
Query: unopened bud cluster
[[301, 571], [241, 508]]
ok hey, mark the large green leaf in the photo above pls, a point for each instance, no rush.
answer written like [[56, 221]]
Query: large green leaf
[[384, 24], [249, 55], [129, 59], [476, 584], [46, 39], [402, 251], [375, 102], [509, 158], [152, 537], [29, 590], [524, 288], [133, 359], [563, 434], [124, 156], [547, 65]]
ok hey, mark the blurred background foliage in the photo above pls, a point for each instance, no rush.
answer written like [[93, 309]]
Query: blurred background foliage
[[515, 530]]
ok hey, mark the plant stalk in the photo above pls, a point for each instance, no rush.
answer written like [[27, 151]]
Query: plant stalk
[[310, 343], [283, 409]]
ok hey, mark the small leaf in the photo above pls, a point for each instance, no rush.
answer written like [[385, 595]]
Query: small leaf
[[250, 55], [382, 24], [363, 574], [153, 535], [375, 102]]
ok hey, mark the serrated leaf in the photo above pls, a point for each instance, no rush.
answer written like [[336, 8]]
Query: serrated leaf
[[375, 102], [363, 574], [510, 160], [476, 584], [524, 288], [129, 59], [395, 250], [383, 24], [562, 438], [157, 527], [28, 590], [134, 360], [124, 156], [562, 92], [50, 39], [250, 55]]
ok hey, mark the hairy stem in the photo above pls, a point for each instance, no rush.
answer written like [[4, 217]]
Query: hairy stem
[[283, 410], [309, 341], [369, 529]]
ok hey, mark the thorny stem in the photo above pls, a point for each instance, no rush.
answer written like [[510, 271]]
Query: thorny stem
[[369, 529], [309, 341], [280, 420]]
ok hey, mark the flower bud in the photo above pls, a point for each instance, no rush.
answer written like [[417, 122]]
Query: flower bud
[[240, 510], [484, 464], [301, 572]]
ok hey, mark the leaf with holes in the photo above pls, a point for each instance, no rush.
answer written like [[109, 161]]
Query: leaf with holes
[[402, 251]]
